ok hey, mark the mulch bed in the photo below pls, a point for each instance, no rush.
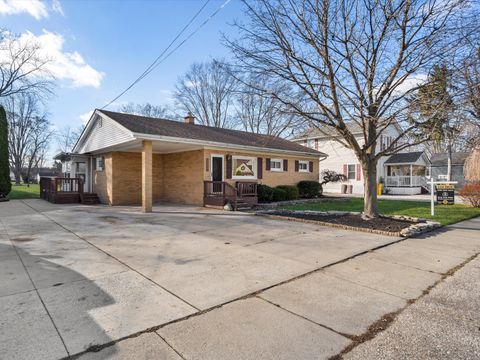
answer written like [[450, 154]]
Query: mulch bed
[[351, 221]]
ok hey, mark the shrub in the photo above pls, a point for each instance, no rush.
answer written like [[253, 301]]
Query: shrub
[[309, 189], [5, 184], [471, 194], [291, 191], [279, 194], [264, 193]]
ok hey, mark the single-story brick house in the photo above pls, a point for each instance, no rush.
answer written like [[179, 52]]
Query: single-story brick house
[[130, 160]]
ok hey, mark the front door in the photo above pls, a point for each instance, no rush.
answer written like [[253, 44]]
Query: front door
[[217, 172]]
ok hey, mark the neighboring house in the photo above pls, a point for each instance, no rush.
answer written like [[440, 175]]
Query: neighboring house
[[130, 159], [406, 173], [344, 161], [439, 167]]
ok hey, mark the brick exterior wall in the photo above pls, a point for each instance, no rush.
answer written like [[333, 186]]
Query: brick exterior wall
[[178, 177], [270, 178]]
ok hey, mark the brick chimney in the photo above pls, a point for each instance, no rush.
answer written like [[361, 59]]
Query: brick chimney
[[189, 119]]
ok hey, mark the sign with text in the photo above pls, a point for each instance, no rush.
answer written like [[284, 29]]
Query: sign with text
[[445, 194]]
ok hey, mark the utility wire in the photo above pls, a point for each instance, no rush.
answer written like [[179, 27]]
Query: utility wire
[[142, 75], [159, 59]]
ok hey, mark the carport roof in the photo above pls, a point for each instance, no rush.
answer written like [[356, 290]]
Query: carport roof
[[169, 128]]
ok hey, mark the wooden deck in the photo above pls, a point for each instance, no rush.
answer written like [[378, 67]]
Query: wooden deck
[[61, 190], [219, 193]]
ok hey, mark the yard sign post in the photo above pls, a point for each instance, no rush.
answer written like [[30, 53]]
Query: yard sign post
[[432, 193]]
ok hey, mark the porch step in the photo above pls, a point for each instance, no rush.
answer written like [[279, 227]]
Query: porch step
[[243, 205], [89, 198]]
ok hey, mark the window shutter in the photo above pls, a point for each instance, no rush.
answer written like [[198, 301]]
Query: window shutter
[[345, 170], [310, 166], [267, 164], [297, 165], [229, 167], [316, 144], [358, 172], [94, 165], [285, 164], [259, 168]]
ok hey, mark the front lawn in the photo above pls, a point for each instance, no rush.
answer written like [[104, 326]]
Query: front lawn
[[445, 214], [23, 191]]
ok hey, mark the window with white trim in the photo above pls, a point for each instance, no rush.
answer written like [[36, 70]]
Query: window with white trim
[[244, 167], [99, 163], [351, 172], [303, 166], [276, 165]]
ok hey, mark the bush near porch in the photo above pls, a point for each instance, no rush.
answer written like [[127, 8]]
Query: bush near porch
[[23, 191], [445, 214]]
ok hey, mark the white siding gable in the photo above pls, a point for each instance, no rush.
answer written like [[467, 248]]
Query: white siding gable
[[102, 133]]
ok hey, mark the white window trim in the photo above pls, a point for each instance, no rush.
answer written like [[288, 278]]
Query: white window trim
[[244, 177], [96, 164], [354, 172], [280, 169], [223, 165], [307, 166]]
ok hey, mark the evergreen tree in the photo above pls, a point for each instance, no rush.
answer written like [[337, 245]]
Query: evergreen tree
[[5, 184]]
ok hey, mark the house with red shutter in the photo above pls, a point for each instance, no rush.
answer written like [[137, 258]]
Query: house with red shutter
[[404, 173]]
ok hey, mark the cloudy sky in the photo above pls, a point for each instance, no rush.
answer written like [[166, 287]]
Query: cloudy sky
[[99, 47]]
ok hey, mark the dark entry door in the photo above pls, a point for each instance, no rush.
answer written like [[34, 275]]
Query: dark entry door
[[217, 172]]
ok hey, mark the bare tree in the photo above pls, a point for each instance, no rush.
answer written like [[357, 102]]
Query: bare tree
[[67, 136], [351, 62], [207, 91], [261, 112], [147, 109], [29, 132], [22, 68]]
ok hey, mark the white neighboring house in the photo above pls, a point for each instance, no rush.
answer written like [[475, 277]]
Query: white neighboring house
[[407, 174]]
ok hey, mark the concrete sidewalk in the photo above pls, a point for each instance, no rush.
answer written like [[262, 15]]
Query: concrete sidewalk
[[441, 325]]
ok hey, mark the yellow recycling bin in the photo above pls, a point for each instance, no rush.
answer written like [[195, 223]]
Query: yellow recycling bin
[[379, 189]]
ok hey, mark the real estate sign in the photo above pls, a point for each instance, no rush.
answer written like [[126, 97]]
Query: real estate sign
[[445, 193]]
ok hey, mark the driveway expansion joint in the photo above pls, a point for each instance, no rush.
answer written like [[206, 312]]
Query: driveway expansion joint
[[113, 257], [348, 336]]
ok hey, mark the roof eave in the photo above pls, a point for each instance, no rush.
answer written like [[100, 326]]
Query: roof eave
[[142, 136]]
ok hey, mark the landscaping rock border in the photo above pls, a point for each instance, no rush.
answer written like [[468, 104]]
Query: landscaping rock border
[[418, 227]]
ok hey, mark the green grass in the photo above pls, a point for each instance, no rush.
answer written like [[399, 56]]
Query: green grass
[[445, 214], [23, 191]]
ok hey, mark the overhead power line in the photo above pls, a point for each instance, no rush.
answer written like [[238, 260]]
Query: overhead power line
[[161, 58]]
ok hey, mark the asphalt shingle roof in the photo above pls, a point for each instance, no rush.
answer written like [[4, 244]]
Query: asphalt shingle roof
[[170, 128], [458, 158], [315, 132], [404, 158]]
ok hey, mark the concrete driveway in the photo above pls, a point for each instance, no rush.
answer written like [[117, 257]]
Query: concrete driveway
[[78, 278]]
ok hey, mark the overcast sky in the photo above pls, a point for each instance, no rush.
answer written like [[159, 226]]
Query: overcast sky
[[99, 47]]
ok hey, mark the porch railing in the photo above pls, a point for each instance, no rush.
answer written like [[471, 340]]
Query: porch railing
[[404, 181], [52, 187], [246, 188], [218, 193]]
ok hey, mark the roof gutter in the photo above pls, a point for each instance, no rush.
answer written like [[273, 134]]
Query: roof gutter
[[141, 136]]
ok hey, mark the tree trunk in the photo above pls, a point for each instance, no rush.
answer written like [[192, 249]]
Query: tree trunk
[[449, 162], [370, 207]]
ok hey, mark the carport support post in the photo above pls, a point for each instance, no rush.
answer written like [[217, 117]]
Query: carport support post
[[146, 176]]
